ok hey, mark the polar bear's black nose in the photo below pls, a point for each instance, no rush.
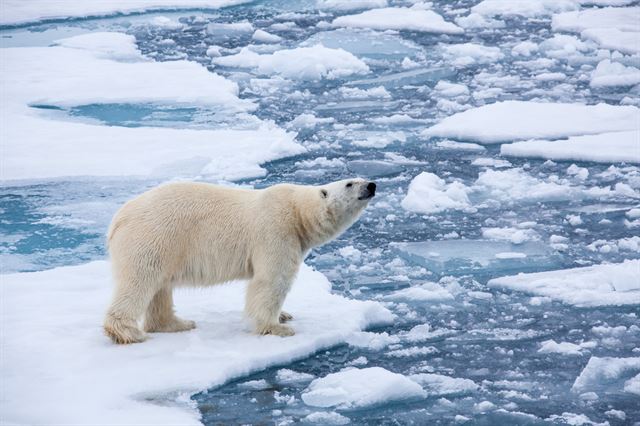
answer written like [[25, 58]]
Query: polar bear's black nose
[[371, 187]]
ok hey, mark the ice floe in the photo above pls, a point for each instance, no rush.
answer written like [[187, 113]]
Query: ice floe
[[526, 8], [519, 120], [304, 63], [604, 372], [16, 12], [42, 143], [440, 385], [598, 285], [355, 388], [399, 18], [610, 147], [119, 384], [612, 74], [465, 54], [428, 193]]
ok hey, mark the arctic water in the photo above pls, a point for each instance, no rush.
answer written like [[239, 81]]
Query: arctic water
[[487, 335]]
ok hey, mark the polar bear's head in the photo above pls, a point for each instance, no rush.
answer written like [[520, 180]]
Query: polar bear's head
[[345, 200]]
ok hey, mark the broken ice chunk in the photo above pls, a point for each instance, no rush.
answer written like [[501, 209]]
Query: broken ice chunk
[[458, 257]]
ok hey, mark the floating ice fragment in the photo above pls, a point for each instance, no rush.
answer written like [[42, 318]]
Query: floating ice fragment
[[424, 292], [326, 418], [462, 55], [265, 37], [348, 5], [399, 18], [518, 120], [614, 74], [440, 385], [613, 147], [289, 376], [599, 285], [403, 78], [356, 388], [606, 372], [458, 257], [430, 194], [302, 63], [364, 42], [526, 8]]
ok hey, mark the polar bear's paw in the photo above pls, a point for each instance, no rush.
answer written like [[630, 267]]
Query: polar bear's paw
[[285, 316], [122, 331], [278, 330], [174, 325]]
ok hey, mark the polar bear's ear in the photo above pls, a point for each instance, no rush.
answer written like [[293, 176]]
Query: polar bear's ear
[[324, 193]]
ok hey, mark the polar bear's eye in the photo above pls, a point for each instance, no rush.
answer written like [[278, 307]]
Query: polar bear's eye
[[349, 185], [324, 193]]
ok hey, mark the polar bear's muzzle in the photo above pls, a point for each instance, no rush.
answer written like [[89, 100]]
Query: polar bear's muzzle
[[368, 191]]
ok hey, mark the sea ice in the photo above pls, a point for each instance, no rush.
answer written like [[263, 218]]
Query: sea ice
[[612, 74], [115, 384], [520, 120], [605, 372], [302, 63], [37, 144], [598, 285], [526, 8], [422, 293], [611, 147], [614, 39], [465, 54], [430, 194], [458, 257], [440, 385], [348, 5], [621, 18], [355, 388], [399, 18], [365, 42], [565, 348], [16, 12]]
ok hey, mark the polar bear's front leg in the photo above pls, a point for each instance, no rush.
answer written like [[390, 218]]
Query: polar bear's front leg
[[265, 297]]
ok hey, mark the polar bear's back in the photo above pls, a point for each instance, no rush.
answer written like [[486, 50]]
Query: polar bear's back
[[177, 232]]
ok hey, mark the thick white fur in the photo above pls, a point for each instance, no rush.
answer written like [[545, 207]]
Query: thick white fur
[[203, 234]]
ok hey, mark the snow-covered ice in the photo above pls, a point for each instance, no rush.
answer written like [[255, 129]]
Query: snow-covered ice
[[516, 120], [42, 76], [399, 18], [609, 147], [307, 63], [16, 12], [118, 384], [602, 372], [355, 388], [598, 285]]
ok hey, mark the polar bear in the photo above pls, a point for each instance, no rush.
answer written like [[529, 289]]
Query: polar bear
[[203, 234]]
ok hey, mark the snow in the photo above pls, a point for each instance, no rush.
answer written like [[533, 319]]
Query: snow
[[519, 120], [15, 12], [356, 388], [604, 371], [465, 54], [603, 148], [430, 194], [526, 8], [612, 74], [48, 315], [399, 18], [598, 285], [302, 63], [37, 145]]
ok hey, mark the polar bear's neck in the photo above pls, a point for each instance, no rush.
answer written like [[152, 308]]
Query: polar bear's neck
[[316, 224]]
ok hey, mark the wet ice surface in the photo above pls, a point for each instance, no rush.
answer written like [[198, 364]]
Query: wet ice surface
[[371, 125]]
